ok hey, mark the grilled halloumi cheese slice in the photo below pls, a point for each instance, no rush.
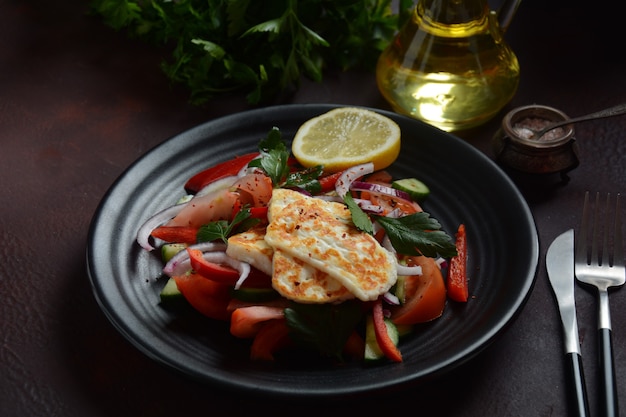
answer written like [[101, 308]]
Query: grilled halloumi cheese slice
[[300, 281], [321, 234], [251, 247], [292, 278]]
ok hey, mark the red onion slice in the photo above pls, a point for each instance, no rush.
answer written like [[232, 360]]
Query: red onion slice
[[408, 271], [342, 186], [179, 263], [143, 234], [380, 189], [391, 298], [367, 206], [216, 185]]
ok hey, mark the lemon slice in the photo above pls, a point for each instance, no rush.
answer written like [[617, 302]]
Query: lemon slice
[[345, 137]]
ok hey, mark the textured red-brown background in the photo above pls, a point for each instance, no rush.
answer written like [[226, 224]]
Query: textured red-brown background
[[79, 103]]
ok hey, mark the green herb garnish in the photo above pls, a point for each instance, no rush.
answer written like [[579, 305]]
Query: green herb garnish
[[274, 161], [418, 234], [324, 328], [360, 219], [223, 229]]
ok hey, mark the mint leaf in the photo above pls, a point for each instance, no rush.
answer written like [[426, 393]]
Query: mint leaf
[[418, 234], [359, 218]]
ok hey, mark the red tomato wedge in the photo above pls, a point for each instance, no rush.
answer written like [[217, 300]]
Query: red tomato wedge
[[272, 337], [208, 297], [176, 234], [216, 172], [425, 294], [457, 273], [355, 346], [254, 189], [246, 322], [389, 349]]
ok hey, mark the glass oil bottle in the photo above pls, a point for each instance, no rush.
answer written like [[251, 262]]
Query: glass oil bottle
[[449, 66]]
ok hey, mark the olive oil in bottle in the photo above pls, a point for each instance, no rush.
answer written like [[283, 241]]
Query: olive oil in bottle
[[449, 66]]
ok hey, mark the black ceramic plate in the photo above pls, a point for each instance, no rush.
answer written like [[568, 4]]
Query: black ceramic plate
[[466, 187]]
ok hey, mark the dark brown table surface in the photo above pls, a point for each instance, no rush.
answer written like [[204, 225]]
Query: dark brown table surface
[[79, 103]]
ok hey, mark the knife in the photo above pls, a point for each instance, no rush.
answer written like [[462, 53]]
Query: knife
[[560, 266]]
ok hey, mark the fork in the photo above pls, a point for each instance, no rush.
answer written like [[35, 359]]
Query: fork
[[602, 265]]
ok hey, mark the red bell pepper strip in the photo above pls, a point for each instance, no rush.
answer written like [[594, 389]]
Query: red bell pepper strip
[[328, 182], [176, 234], [255, 212], [245, 322], [210, 270], [273, 336], [216, 172], [457, 273], [389, 349]]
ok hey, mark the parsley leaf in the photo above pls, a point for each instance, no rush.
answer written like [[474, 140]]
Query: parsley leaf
[[418, 234], [223, 229], [359, 218], [258, 49], [274, 161], [306, 179], [274, 157]]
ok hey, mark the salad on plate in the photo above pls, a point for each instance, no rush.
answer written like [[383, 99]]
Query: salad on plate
[[340, 260]]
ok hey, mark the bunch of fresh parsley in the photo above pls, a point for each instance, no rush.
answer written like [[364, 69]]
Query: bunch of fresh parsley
[[258, 47]]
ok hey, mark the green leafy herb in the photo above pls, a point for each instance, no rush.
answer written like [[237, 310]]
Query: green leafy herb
[[307, 179], [274, 161], [222, 229], [274, 157], [323, 327], [418, 234], [359, 218], [259, 48]]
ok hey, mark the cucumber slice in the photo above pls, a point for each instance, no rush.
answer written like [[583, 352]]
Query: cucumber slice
[[372, 350], [399, 289], [416, 188], [170, 249], [170, 294]]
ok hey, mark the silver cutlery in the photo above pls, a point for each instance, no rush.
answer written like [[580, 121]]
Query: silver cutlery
[[560, 267], [600, 263]]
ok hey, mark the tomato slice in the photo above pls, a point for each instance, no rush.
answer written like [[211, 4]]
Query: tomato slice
[[355, 346], [425, 294], [207, 297], [216, 172], [254, 189]]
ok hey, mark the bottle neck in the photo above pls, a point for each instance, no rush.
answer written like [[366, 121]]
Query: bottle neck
[[452, 12]]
